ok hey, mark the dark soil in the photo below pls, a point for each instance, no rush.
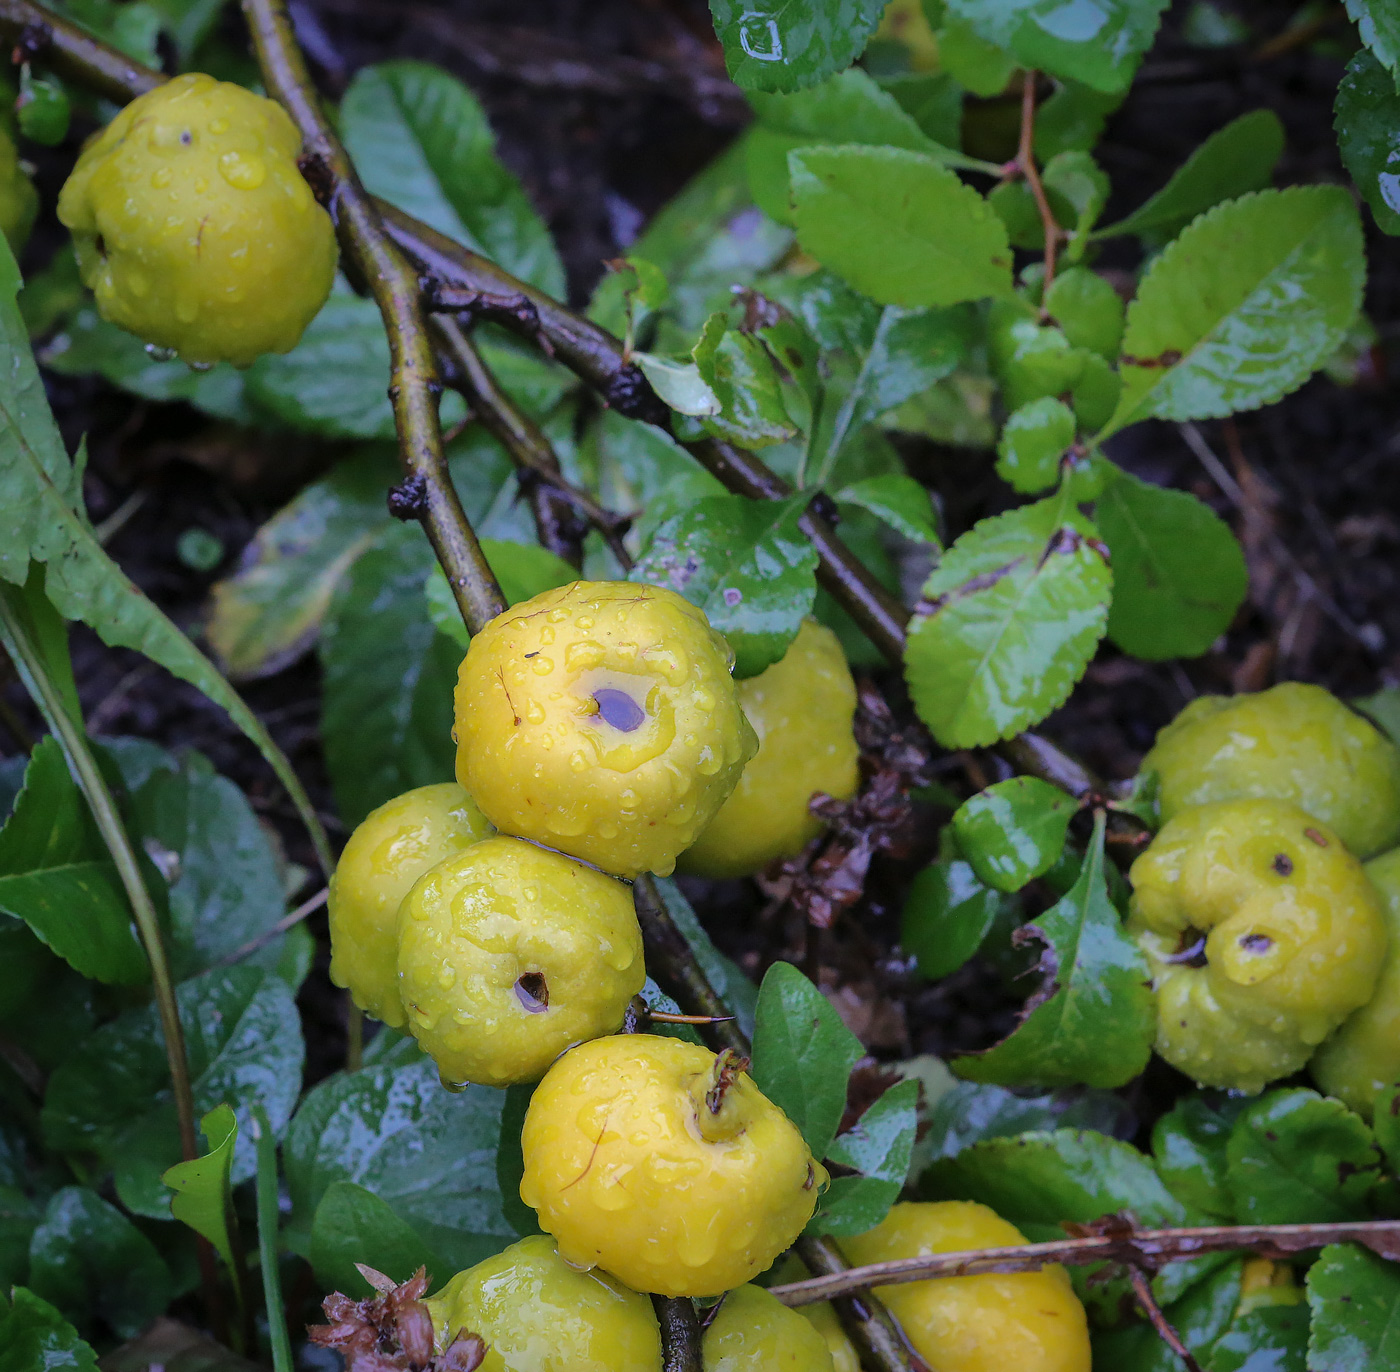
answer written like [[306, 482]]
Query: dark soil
[[605, 108]]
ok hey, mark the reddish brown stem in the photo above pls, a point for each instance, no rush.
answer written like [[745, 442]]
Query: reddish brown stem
[[1026, 165]]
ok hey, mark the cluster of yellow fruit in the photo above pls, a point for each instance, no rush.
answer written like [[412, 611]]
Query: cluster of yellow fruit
[[1267, 937]]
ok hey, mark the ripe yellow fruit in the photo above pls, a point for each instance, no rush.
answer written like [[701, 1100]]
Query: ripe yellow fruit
[[755, 1332], [19, 202], [193, 226], [392, 847], [801, 708], [662, 1163], [538, 1314], [1363, 1056], [600, 718], [823, 1318], [508, 954], [1029, 1321], [1292, 742], [1263, 935]]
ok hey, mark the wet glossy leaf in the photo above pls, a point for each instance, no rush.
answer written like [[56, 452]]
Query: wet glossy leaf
[[746, 564], [427, 1154], [1295, 1157], [1243, 306], [1379, 24], [879, 1146], [1273, 1337], [679, 384], [389, 673], [34, 1335], [898, 226], [1093, 1019], [510, 1157], [420, 139], [782, 45], [1368, 133], [1014, 830], [92, 1263], [1189, 1143], [111, 1098], [1355, 1302], [352, 1225], [900, 501], [1179, 574], [1098, 42], [1033, 440], [947, 914], [523, 570], [55, 875], [1200, 1316], [1088, 310], [203, 1185], [1007, 624], [983, 67], [641, 467], [740, 373], [1238, 158], [802, 1054]]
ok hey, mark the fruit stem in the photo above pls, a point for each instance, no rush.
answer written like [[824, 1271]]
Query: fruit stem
[[680, 1333]]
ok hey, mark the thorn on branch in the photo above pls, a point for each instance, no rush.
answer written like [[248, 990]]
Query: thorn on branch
[[409, 499], [630, 394]]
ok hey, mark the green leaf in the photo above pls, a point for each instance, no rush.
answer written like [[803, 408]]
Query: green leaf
[[948, 912], [1014, 830], [1295, 1157], [781, 45], [1200, 1317], [642, 467], [1098, 42], [388, 679], [420, 139], [352, 1225], [1271, 1336], [1073, 118], [745, 563], [1243, 307], [1093, 1019], [429, 1155], [1179, 574], [899, 500], [34, 1337], [1007, 623], [1355, 1301], [898, 226], [879, 1146], [1379, 24], [1088, 310], [91, 1262], [802, 1054], [1368, 133], [43, 518], [111, 1097], [740, 373], [1033, 440], [523, 570], [1233, 160], [203, 1186], [983, 67], [55, 875], [510, 1158], [1189, 1143], [728, 979], [679, 384]]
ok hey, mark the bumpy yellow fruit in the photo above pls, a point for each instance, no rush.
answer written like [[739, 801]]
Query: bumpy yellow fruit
[[823, 1318], [1029, 1321], [1363, 1056], [801, 709], [538, 1314], [662, 1163], [600, 718], [755, 1332], [193, 226], [19, 202], [509, 954], [387, 853], [1292, 742], [1263, 935]]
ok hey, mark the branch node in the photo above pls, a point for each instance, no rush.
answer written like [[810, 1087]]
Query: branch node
[[409, 499], [630, 394]]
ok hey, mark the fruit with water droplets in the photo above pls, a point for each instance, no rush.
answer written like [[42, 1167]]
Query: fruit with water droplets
[[755, 1332]]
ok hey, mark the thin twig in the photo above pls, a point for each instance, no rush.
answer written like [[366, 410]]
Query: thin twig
[[288, 921], [680, 1333], [414, 388], [1147, 1248], [1142, 1288], [1026, 165], [68, 50]]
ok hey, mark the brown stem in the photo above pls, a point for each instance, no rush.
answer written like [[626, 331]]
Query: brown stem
[[1142, 1288], [69, 51], [1141, 1248], [1025, 164], [414, 388], [680, 1333]]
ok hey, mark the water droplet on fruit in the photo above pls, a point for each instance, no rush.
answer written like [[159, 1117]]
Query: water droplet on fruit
[[534, 712], [447, 978], [243, 171], [218, 126], [542, 666], [201, 366], [159, 354], [162, 178], [456, 1087]]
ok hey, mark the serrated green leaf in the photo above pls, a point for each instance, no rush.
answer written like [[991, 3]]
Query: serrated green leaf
[[1073, 118], [1200, 1317], [1033, 440], [1233, 160], [352, 1226], [203, 1186], [1243, 307], [932, 99], [898, 500], [1014, 830], [679, 384], [745, 563], [1077, 179], [1189, 1143], [34, 1335], [1098, 42], [1009, 620], [1295, 1157], [1378, 22], [642, 467], [1368, 133], [1093, 1019], [898, 226], [983, 67], [1355, 1301], [948, 912], [802, 1054], [1179, 574], [783, 45], [1088, 311], [740, 373], [1272, 1336], [421, 140], [879, 1146]]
